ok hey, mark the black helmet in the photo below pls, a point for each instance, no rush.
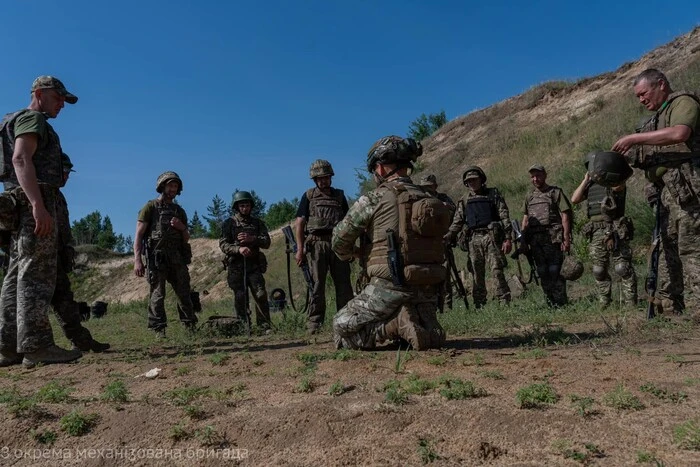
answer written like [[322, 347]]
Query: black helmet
[[243, 196], [393, 150], [608, 168], [166, 177], [471, 172]]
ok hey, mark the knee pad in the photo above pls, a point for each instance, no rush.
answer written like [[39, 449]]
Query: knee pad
[[600, 273], [624, 270]]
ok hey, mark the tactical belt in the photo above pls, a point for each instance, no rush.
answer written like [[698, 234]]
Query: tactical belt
[[319, 237], [602, 224]]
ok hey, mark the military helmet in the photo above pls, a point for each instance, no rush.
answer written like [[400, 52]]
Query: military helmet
[[166, 177], [608, 168], [571, 268], [473, 172], [320, 168], [428, 180], [243, 196], [393, 150]]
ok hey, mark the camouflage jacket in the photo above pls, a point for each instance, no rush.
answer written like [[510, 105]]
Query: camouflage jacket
[[236, 224]]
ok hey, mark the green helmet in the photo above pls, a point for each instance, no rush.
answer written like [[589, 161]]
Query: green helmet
[[166, 177], [571, 268], [473, 172], [608, 168], [243, 196], [320, 168], [393, 150]]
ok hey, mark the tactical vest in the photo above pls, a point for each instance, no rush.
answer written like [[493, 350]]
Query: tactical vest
[[252, 225], [419, 221], [480, 209], [325, 211], [162, 235], [47, 158], [542, 209], [599, 197]]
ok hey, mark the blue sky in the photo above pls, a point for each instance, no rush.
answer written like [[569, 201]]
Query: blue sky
[[247, 94]]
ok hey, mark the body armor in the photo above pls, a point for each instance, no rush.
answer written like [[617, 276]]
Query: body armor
[[325, 211], [542, 208], [47, 158], [605, 204], [479, 210]]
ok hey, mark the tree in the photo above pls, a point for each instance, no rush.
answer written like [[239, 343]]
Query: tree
[[124, 244], [281, 213], [258, 204], [86, 230], [218, 212], [197, 229], [426, 125], [106, 238]]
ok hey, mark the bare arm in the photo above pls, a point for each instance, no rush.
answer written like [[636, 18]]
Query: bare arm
[[663, 137], [566, 224], [299, 227], [581, 193], [22, 160], [139, 268]]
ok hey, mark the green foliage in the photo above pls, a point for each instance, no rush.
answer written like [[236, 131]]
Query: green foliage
[[53, 392], [394, 394], [94, 230], [194, 412], [306, 385], [179, 432], [77, 423], [196, 227], [663, 394], [426, 451], [47, 437], [493, 374], [644, 457], [115, 391], [219, 358], [426, 125], [337, 388], [281, 213], [536, 396], [437, 360], [365, 182], [458, 389], [583, 405], [621, 399], [217, 212], [185, 395], [415, 385], [208, 436], [687, 435]]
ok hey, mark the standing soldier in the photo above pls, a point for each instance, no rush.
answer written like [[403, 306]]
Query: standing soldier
[[320, 209], [63, 301], [609, 232], [161, 230], [484, 214], [242, 238], [33, 178], [673, 129], [547, 228], [405, 255]]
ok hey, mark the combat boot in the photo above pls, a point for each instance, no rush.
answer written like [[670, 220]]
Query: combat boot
[[9, 357], [91, 345], [51, 354], [410, 329], [388, 331]]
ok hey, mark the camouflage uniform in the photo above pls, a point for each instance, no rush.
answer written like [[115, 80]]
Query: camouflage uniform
[[544, 236], [384, 311], [609, 233], [255, 266], [679, 272], [486, 219], [168, 255], [31, 276], [322, 214]]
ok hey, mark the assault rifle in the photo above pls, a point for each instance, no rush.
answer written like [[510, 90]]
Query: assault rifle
[[292, 247], [665, 159], [651, 282], [524, 249], [454, 274], [393, 258]]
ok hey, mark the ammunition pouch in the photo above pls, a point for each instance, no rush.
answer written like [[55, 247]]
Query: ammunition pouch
[[677, 183], [587, 231], [424, 274], [498, 233], [556, 233], [624, 228]]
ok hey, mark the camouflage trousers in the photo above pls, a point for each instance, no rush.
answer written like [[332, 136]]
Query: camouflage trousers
[[179, 278], [322, 260], [67, 312], [484, 252], [621, 255], [30, 281], [548, 259], [366, 320], [679, 267], [256, 284]]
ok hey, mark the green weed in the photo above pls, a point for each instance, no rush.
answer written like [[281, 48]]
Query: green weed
[[184, 396], [394, 394], [77, 423], [337, 388], [208, 436], [644, 457], [583, 405], [687, 435], [179, 432], [437, 360], [534, 354], [219, 359], [458, 389], [418, 386], [306, 385], [663, 394], [673, 358], [53, 392], [115, 391], [494, 374], [183, 370], [536, 396], [194, 412], [426, 451], [47, 437], [400, 361], [621, 399]]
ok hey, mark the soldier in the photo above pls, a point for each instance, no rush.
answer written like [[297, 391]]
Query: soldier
[[484, 214], [162, 236], [405, 255], [320, 209], [547, 228], [242, 238], [33, 176], [609, 232], [63, 302], [673, 128]]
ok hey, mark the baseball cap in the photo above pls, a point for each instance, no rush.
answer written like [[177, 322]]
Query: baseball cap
[[538, 167], [49, 82]]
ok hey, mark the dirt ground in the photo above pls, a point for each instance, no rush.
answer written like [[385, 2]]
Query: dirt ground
[[245, 403]]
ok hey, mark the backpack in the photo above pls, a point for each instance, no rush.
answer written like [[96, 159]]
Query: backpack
[[7, 139]]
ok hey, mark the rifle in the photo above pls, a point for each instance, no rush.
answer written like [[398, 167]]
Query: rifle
[[523, 249], [666, 159], [393, 258], [454, 273], [245, 297], [292, 247], [651, 282]]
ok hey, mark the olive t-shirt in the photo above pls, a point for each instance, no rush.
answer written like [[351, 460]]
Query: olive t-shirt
[[563, 203], [684, 110], [33, 122]]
